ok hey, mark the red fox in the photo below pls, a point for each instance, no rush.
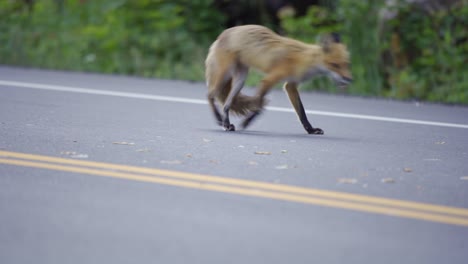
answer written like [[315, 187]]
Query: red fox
[[279, 58]]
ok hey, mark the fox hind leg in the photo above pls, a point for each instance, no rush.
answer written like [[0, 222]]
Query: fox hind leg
[[238, 79], [249, 119], [214, 109], [219, 87]]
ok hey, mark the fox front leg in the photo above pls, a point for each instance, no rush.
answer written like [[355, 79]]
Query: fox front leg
[[293, 94]]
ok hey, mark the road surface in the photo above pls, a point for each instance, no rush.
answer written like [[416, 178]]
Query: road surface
[[112, 169]]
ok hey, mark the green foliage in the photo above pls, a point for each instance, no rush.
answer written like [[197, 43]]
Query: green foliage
[[159, 38], [430, 62], [416, 55], [319, 20], [360, 30]]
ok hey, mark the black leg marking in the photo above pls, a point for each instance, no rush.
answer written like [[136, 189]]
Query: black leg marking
[[249, 119], [231, 127], [315, 131], [293, 94], [307, 126], [214, 109], [226, 123]]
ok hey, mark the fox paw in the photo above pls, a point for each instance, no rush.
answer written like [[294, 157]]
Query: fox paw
[[231, 127], [315, 131], [249, 119]]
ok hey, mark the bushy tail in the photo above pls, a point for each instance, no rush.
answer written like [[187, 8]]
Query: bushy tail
[[242, 104]]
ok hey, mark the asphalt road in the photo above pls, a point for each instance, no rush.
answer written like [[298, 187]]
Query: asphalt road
[[112, 169]]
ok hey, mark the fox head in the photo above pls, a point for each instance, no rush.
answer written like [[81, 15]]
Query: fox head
[[336, 60]]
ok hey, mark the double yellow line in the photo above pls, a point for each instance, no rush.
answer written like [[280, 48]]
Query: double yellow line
[[362, 203]]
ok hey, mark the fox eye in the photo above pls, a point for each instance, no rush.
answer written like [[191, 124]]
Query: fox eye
[[334, 65]]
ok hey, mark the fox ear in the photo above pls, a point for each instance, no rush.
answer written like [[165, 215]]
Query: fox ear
[[336, 37], [326, 40]]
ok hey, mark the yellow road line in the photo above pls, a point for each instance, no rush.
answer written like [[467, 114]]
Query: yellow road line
[[248, 184], [248, 192]]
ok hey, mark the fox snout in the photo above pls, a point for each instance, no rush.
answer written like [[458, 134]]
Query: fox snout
[[343, 81], [346, 80]]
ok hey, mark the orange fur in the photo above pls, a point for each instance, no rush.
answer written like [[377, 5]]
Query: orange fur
[[280, 58]]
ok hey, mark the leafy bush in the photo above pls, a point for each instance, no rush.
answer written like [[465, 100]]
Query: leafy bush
[[146, 37], [428, 53], [417, 55]]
